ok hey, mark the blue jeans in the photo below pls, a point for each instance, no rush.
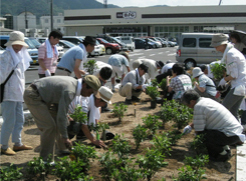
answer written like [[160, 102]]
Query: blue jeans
[[13, 120], [232, 103]]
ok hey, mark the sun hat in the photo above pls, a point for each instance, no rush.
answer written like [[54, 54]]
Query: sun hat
[[90, 40], [16, 38], [196, 72], [105, 94], [143, 67], [219, 39], [93, 82]]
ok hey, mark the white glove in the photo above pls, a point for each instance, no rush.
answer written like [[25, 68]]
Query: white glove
[[187, 129], [222, 82], [47, 73]]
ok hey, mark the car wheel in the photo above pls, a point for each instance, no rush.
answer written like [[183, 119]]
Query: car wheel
[[189, 63], [109, 51]]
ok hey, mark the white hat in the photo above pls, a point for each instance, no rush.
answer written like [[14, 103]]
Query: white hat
[[16, 38], [219, 39], [105, 94], [196, 72]]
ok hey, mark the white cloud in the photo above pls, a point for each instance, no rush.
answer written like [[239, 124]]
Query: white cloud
[[144, 3]]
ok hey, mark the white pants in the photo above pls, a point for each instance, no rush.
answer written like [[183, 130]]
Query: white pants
[[118, 70], [13, 120]]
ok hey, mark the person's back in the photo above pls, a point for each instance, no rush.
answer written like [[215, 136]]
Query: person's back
[[180, 84], [129, 77], [118, 60]]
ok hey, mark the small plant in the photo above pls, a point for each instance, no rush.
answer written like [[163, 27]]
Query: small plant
[[10, 173], [151, 163], [152, 92], [166, 113], [78, 115], [163, 84], [163, 143], [119, 110], [154, 83], [218, 70], [198, 144], [127, 173], [139, 134], [120, 146], [103, 127], [182, 116], [90, 66], [174, 136], [152, 123]]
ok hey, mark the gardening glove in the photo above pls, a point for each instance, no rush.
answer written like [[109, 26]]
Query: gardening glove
[[47, 73], [187, 129], [222, 82]]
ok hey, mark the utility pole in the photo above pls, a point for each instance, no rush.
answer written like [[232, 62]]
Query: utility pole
[[105, 4], [26, 21], [220, 2], [51, 15]]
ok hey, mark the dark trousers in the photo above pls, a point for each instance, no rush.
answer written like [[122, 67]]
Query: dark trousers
[[216, 140], [43, 75], [163, 76]]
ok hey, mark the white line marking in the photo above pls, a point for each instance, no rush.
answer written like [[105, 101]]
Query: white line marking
[[171, 54], [152, 55]]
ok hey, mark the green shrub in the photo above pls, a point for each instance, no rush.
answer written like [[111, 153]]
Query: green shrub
[[198, 144], [78, 115], [152, 123], [119, 110], [120, 146], [218, 70], [139, 135], [152, 92], [10, 173], [163, 84], [162, 143], [90, 66]]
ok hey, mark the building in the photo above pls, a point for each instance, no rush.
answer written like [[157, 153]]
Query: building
[[58, 22], [156, 21]]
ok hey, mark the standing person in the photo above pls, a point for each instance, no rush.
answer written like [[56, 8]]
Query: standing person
[[117, 61], [205, 87], [219, 126], [48, 55], [179, 83], [17, 58], [133, 84], [236, 40], [43, 97], [71, 60], [235, 72]]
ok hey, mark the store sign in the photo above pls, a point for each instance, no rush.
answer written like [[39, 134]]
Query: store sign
[[126, 15]]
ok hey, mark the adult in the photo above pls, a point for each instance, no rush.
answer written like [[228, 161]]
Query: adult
[[48, 55], [204, 69], [235, 72], [133, 84], [91, 106], [17, 58], [153, 66], [219, 126], [117, 61], [166, 70], [43, 97], [205, 87], [238, 44], [71, 60], [179, 83]]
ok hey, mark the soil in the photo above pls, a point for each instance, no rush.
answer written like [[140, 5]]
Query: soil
[[214, 171]]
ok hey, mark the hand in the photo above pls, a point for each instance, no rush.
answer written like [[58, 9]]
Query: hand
[[99, 143], [68, 143], [168, 78], [187, 129], [195, 83], [47, 73], [222, 82]]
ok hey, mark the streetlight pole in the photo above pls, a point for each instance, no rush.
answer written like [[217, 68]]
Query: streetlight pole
[[51, 15], [220, 2]]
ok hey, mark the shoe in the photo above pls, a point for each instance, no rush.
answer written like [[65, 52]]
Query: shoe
[[23, 147], [8, 151], [113, 90], [136, 99], [128, 101], [220, 158], [106, 110]]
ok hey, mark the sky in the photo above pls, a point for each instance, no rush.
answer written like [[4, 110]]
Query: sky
[[146, 3]]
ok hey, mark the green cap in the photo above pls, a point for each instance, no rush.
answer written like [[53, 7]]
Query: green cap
[[93, 82]]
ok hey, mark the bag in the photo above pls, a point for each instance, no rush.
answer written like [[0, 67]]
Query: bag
[[3, 85]]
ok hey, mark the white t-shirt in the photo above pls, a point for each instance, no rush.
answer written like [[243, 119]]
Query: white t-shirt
[[166, 67]]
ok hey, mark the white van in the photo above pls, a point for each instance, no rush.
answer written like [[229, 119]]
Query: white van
[[128, 40], [194, 49]]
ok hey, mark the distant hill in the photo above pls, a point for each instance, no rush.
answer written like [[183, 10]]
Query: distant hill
[[41, 7]]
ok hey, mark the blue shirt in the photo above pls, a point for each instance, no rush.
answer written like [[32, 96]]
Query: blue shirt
[[118, 60], [68, 59]]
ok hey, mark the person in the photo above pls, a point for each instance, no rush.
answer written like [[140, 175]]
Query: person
[[236, 40], [17, 58], [48, 55], [179, 83], [153, 66], [133, 84], [205, 87], [71, 60], [91, 106], [117, 61], [204, 69], [235, 72], [219, 126], [166, 70], [42, 99]]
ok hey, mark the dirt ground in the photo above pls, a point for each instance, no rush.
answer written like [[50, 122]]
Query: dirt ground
[[214, 171]]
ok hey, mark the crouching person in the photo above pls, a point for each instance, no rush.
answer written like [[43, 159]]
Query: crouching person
[[133, 84], [91, 106], [219, 126]]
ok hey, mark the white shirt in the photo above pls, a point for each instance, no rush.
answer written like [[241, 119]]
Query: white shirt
[[99, 66], [166, 67], [151, 64]]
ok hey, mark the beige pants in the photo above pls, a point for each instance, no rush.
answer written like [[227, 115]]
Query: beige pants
[[62, 72], [45, 118], [127, 91]]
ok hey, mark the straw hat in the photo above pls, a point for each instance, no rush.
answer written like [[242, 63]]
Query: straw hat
[[16, 38], [105, 94], [219, 39], [196, 72]]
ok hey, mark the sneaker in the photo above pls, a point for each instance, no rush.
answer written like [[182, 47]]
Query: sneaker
[[113, 90], [136, 99], [23, 147], [220, 158], [128, 101], [8, 151]]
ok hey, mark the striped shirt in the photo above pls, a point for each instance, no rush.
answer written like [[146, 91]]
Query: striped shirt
[[50, 63], [211, 115]]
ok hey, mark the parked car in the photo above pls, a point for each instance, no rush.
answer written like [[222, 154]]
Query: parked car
[[141, 44], [128, 40], [1, 50], [194, 49], [35, 42], [171, 44], [74, 39], [163, 43], [158, 42], [66, 45], [111, 39], [102, 48], [110, 47]]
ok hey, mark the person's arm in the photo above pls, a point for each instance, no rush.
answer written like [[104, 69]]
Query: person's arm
[[128, 68], [87, 133], [228, 78], [169, 89], [76, 70], [201, 89]]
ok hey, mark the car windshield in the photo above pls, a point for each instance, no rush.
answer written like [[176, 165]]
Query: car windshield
[[29, 43], [35, 42], [68, 43], [104, 41], [116, 40]]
